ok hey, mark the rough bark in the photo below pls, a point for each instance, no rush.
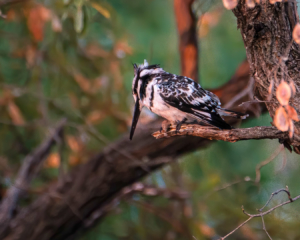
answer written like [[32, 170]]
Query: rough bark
[[267, 34]]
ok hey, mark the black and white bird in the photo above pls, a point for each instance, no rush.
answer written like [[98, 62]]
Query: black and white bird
[[176, 98]]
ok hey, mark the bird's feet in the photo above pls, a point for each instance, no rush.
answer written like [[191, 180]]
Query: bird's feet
[[165, 125], [179, 124]]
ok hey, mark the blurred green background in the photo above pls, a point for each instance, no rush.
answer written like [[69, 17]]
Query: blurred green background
[[73, 59]]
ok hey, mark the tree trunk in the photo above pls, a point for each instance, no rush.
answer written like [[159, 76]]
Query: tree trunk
[[272, 54]]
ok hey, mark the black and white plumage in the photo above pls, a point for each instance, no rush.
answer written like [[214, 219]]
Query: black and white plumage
[[176, 98]]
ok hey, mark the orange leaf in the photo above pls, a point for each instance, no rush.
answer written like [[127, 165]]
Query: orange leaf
[[292, 113], [53, 160], [283, 93], [11, 15], [230, 4], [37, 17], [15, 113], [30, 55], [95, 117], [74, 143], [296, 33], [84, 83], [250, 3], [207, 230], [281, 119], [274, 1], [74, 160]]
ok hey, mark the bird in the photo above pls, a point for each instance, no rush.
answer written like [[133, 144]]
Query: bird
[[178, 99]]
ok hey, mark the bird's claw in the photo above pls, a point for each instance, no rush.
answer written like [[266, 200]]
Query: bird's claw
[[165, 126]]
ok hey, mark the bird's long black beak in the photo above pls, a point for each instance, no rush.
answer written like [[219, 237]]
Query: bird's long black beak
[[136, 115]]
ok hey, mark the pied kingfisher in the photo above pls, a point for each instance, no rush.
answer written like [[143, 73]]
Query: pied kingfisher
[[176, 98]]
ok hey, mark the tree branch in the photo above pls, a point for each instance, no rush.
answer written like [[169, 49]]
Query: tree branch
[[29, 168], [232, 135]]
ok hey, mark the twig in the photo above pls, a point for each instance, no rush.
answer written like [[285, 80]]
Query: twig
[[261, 214], [228, 185], [176, 225], [253, 101], [128, 191], [232, 135], [29, 168], [264, 227], [247, 91], [265, 162]]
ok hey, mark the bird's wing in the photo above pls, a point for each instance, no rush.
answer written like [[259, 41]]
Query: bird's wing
[[188, 96]]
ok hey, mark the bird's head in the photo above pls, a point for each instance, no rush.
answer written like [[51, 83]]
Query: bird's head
[[142, 74]]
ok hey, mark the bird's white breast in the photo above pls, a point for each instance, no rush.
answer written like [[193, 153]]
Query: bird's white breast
[[159, 106]]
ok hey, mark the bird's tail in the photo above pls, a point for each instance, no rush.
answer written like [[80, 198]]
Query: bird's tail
[[226, 112]]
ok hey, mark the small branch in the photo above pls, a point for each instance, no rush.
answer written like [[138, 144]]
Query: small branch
[[29, 168], [136, 188], [261, 214], [264, 227], [247, 91], [267, 161], [232, 135]]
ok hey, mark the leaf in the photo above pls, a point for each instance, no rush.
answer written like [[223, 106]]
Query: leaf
[[230, 4], [30, 55], [74, 160], [53, 160], [281, 119], [274, 1], [250, 3], [15, 113], [84, 83], [74, 144], [291, 131], [37, 17], [296, 33], [101, 10], [292, 113], [95, 117], [283, 93], [206, 230]]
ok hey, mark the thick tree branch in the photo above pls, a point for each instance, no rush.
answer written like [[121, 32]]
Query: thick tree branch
[[233, 135]]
